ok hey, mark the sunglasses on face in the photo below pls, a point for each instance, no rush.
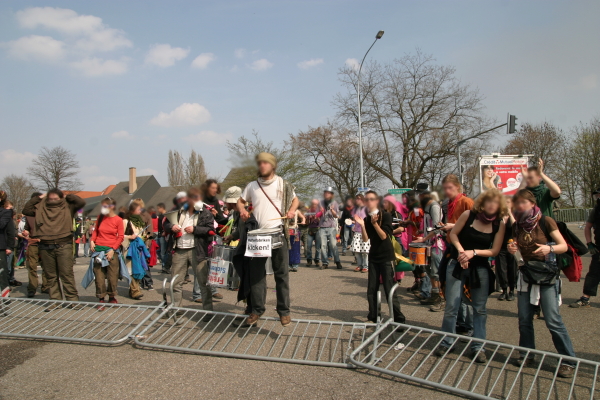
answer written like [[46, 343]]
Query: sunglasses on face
[[371, 199]]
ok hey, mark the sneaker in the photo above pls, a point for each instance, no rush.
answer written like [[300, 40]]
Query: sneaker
[[357, 269], [316, 263], [112, 300], [365, 270], [583, 302], [414, 287], [442, 351], [308, 262], [31, 295], [217, 296], [429, 301], [510, 296], [479, 356], [15, 283], [150, 287], [338, 265], [101, 307], [503, 296], [525, 362], [565, 371], [324, 266], [439, 305], [294, 269], [52, 307], [354, 262], [286, 320], [537, 313], [199, 300], [164, 271], [252, 320]]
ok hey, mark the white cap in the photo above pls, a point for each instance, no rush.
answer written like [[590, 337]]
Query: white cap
[[181, 195]]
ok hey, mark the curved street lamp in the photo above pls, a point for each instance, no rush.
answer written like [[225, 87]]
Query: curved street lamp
[[360, 144]]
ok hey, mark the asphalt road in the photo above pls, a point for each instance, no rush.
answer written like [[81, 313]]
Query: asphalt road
[[46, 370]]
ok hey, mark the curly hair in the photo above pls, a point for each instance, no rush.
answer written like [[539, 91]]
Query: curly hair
[[490, 195]]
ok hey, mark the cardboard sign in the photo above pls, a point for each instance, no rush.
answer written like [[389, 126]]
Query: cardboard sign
[[258, 246], [218, 273]]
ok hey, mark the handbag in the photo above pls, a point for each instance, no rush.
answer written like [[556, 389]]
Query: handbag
[[540, 273], [405, 265], [397, 248]]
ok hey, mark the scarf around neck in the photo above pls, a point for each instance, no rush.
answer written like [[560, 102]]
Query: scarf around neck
[[137, 221], [529, 219], [53, 220], [486, 219], [453, 203]]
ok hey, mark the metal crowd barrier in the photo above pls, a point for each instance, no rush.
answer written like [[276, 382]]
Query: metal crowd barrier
[[390, 348], [572, 214]]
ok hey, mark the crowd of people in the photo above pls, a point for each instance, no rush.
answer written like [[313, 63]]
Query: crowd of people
[[471, 248]]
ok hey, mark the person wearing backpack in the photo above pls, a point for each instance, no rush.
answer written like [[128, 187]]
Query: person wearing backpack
[[592, 278], [538, 280]]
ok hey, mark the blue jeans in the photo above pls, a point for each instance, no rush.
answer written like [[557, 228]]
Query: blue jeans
[[554, 322], [162, 250], [347, 240], [362, 260], [309, 246], [86, 248], [465, 316], [328, 237], [454, 294]]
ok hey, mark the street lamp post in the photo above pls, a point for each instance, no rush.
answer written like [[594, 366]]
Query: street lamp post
[[360, 141]]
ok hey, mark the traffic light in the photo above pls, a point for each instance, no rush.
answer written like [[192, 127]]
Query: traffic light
[[512, 122]]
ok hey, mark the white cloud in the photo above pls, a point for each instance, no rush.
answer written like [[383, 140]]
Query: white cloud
[[90, 32], [353, 63], [94, 66], [14, 162], [41, 48], [146, 171], [203, 60], [239, 53], [261, 65], [186, 114], [588, 82], [122, 135], [310, 63], [210, 138], [235, 68], [164, 55]]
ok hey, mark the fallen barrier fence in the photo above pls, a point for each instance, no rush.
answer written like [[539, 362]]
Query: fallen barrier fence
[[398, 350]]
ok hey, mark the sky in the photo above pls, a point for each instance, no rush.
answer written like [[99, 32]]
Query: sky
[[121, 83]]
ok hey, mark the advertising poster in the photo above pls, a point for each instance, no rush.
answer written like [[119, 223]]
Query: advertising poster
[[502, 172]]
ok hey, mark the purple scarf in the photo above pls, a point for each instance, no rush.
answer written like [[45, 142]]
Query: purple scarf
[[486, 219], [529, 219]]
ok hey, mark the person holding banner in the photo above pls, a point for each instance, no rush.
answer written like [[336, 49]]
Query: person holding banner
[[189, 241], [271, 196]]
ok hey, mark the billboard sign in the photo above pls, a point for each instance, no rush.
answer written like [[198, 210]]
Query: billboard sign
[[398, 190], [502, 173]]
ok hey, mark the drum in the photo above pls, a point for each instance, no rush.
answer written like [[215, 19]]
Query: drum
[[275, 233], [223, 252], [419, 253]]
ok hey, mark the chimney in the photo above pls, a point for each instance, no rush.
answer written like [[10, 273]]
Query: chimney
[[132, 180]]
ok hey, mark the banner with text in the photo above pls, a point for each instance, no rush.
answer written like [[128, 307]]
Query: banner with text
[[258, 246], [502, 173]]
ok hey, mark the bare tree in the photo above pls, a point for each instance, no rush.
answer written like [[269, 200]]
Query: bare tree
[[417, 110], [585, 153], [543, 140], [176, 170], [55, 168], [195, 171], [291, 165], [332, 152], [18, 189]]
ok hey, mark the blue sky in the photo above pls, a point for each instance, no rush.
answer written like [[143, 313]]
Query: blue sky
[[121, 83]]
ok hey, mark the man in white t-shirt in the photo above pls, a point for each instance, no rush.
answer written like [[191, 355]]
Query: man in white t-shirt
[[272, 198]]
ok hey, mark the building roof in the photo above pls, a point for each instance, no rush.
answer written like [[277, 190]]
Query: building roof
[[147, 188], [84, 194]]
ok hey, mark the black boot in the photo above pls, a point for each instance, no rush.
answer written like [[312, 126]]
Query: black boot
[[338, 265]]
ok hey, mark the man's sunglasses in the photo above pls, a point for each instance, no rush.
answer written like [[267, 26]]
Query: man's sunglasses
[[371, 199]]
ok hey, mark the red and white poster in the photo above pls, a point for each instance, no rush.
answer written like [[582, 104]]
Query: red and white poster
[[502, 173]]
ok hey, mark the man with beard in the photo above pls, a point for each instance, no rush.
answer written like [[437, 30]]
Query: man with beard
[[54, 213], [271, 196], [592, 278]]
